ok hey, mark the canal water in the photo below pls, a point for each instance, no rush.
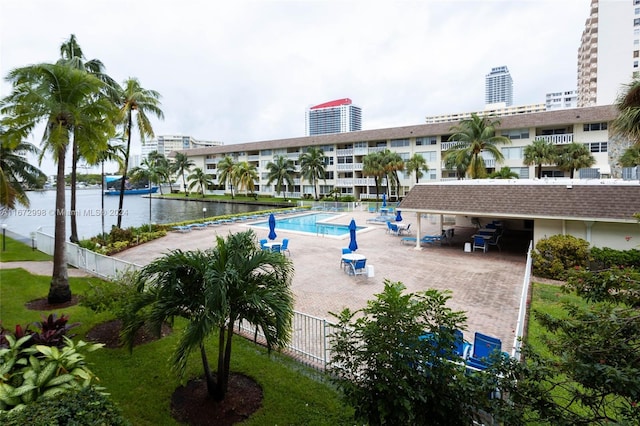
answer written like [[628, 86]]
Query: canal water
[[41, 212]]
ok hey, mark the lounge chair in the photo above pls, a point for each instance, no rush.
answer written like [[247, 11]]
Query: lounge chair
[[182, 228], [483, 347], [495, 242], [426, 239], [358, 267]]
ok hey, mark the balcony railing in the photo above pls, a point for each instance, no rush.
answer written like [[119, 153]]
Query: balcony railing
[[356, 182], [557, 139], [344, 152]]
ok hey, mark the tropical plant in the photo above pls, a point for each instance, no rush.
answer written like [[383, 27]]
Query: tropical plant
[[391, 360], [213, 290], [574, 156], [392, 163], [199, 178], [162, 169], [312, 167], [631, 156], [418, 165], [504, 173], [134, 98], [246, 176], [471, 138], [182, 164], [226, 172], [84, 145], [64, 98], [539, 152], [16, 173], [281, 172], [460, 165], [627, 123], [372, 165]]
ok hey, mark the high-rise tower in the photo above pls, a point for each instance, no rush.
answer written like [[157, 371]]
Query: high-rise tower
[[498, 87], [333, 117], [609, 51]]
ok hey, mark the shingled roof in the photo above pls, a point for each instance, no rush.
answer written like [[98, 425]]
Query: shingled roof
[[602, 201]]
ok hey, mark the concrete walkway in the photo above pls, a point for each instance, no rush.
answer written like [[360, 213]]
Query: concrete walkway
[[43, 267], [487, 286]]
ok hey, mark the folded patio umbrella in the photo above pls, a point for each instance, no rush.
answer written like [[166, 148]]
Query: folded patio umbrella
[[384, 200], [353, 245], [398, 216], [272, 227]]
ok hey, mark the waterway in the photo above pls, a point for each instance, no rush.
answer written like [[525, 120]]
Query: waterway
[[41, 212]]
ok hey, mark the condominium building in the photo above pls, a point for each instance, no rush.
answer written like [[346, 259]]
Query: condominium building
[[609, 51], [345, 152], [496, 110], [498, 86], [168, 143], [333, 117], [561, 100]]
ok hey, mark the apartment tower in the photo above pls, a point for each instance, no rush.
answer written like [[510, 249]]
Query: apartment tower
[[337, 116], [499, 87]]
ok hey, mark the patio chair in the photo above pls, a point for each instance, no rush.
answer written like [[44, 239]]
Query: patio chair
[[358, 267], [483, 347], [495, 242], [343, 262], [392, 228], [479, 243], [285, 246], [262, 243], [276, 248]]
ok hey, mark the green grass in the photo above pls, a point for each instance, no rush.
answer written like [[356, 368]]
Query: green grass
[[142, 383], [17, 251]]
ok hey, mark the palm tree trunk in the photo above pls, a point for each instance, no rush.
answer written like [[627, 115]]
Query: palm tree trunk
[[539, 171], [74, 163], [59, 290], [184, 182], [211, 384], [315, 188], [124, 172], [219, 391]]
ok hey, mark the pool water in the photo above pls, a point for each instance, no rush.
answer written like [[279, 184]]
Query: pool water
[[310, 223]]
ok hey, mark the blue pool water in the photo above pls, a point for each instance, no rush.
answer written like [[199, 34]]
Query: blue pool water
[[310, 223]]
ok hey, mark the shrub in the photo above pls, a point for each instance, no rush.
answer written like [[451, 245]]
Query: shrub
[[76, 408], [607, 257], [556, 255], [112, 297]]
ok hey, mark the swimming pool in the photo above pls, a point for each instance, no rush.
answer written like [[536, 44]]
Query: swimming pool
[[309, 223]]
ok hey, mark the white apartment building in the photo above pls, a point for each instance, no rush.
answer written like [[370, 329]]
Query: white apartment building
[[609, 51], [345, 151], [167, 143], [561, 100], [498, 86], [499, 110]]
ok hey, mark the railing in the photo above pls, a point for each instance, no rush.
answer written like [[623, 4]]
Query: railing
[[522, 313], [557, 139]]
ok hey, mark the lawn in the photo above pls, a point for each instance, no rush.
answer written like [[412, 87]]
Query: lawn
[[17, 251], [142, 383]]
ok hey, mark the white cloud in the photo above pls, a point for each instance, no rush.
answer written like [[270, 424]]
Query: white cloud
[[246, 70]]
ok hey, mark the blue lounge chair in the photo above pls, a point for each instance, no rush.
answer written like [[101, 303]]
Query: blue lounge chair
[[182, 228], [483, 347]]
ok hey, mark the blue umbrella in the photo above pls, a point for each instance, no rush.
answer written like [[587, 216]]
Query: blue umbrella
[[398, 216], [272, 227], [384, 200], [353, 245]]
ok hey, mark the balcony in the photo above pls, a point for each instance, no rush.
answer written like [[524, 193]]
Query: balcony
[[557, 139], [448, 145], [348, 182], [349, 167], [344, 152]]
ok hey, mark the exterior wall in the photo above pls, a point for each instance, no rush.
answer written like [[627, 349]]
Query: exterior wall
[[613, 235]]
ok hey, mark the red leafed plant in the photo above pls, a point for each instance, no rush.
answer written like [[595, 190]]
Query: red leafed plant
[[49, 332]]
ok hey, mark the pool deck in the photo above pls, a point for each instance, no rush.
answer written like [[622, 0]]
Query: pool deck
[[487, 286]]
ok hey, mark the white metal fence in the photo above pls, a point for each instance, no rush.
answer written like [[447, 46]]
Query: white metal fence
[[522, 313]]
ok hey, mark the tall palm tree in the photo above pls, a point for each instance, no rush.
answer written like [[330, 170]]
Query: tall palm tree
[[627, 123], [160, 166], [199, 178], [281, 171], [226, 172], [148, 172], [16, 173], [459, 165], [71, 55], [539, 152], [504, 173], [372, 165], [63, 98], [312, 167], [135, 98], [246, 177], [393, 163], [213, 290], [473, 136], [574, 156], [182, 164], [418, 165]]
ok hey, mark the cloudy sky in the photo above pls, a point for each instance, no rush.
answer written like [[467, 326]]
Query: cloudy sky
[[246, 70]]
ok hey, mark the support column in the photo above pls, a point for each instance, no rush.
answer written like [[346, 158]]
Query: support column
[[589, 225]]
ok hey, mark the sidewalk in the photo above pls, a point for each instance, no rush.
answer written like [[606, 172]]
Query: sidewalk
[[43, 267]]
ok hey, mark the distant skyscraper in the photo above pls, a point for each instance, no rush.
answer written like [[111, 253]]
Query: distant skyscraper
[[499, 86], [333, 117], [561, 100], [608, 54]]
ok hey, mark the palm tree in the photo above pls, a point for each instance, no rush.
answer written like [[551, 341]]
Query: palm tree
[[627, 123], [473, 136], [199, 178], [574, 156], [213, 290], [312, 167], [148, 172], [393, 163], [246, 176], [280, 171], [372, 165], [64, 98], [418, 165], [160, 166], [504, 173], [460, 166], [539, 152], [181, 164], [16, 173], [226, 172], [71, 55], [135, 98], [631, 156]]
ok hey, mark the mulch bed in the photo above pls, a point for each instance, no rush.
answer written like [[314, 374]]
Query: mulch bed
[[108, 333], [191, 404], [44, 305]]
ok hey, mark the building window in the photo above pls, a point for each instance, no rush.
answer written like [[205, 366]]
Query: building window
[[428, 140], [512, 153], [597, 146], [636, 22], [592, 127], [429, 156], [636, 53], [635, 64], [518, 133], [396, 143]]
